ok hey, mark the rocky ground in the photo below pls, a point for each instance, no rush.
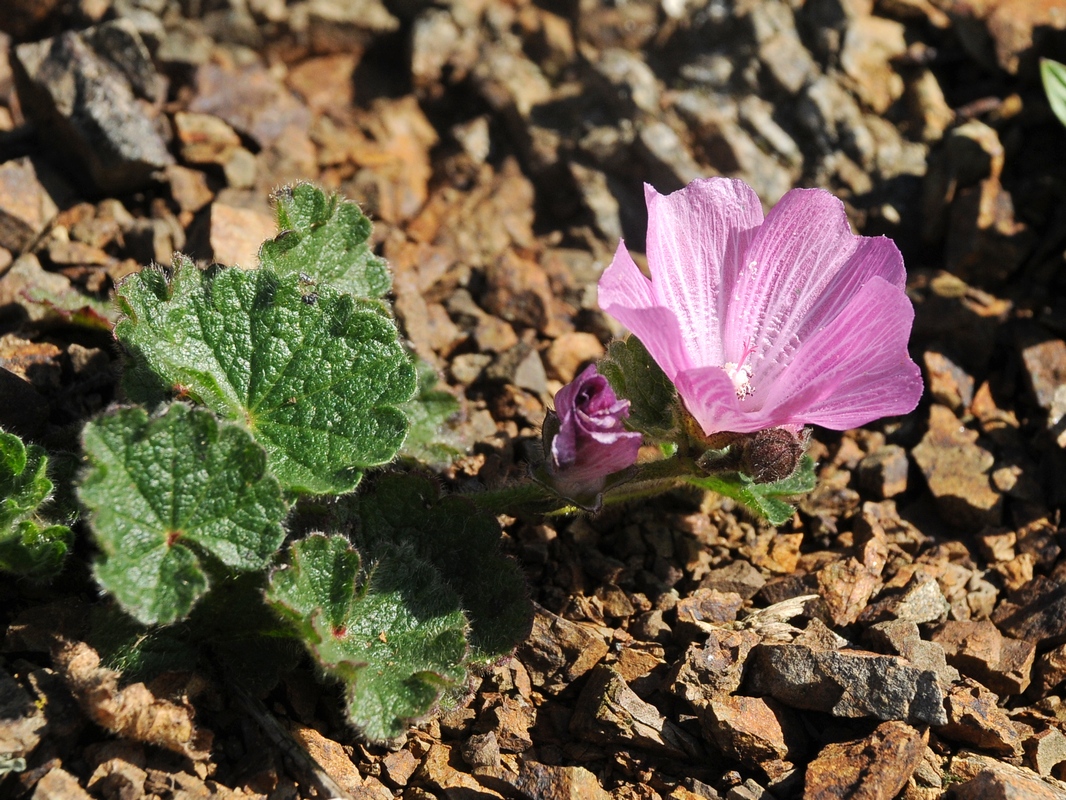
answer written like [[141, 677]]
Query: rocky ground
[[903, 636]]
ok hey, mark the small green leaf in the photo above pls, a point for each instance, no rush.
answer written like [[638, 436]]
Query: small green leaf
[[28, 546], [172, 495], [464, 546], [634, 375], [317, 376], [1053, 74], [429, 440], [326, 239], [394, 635], [763, 499]]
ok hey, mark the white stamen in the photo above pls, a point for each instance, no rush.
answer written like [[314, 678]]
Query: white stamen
[[741, 377]]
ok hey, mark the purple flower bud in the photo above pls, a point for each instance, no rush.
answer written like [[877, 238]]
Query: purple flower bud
[[591, 442]]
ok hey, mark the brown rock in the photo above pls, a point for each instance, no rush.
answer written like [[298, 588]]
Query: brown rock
[[986, 779], [846, 586], [511, 722], [870, 43], [739, 576], [948, 383], [751, 730], [977, 649], [975, 718], [536, 780], [325, 82], [1036, 613], [1044, 359], [397, 768], [883, 473], [559, 651], [58, 784], [21, 722], [920, 600], [237, 234], [704, 609], [956, 470], [874, 768], [26, 207], [566, 354], [482, 750], [713, 669], [608, 711], [1045, 750], [1049, 671], [443, 770], [330, 756]]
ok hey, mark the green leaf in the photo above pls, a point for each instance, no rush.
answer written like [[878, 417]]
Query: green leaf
[[634, 375], [325, 239], [462, 543], [29, 546], [393, 635], [171, 498], [317, 376], [763, 499], [429, 440], [1053, 74]]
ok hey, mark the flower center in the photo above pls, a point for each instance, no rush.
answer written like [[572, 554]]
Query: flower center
[[740, 373]]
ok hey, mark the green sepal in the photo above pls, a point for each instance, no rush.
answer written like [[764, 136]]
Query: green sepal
[[462, 543], [394, 634], [317, 376], [29, 547], [763, 499], [634, 376], [429, 440], [175, 500], [1053, 74], [325, 238]]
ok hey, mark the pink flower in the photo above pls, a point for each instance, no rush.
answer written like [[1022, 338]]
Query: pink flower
[[591, 442], [761, 323]]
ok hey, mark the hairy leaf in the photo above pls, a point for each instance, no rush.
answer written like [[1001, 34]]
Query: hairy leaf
[[763, 499], [634, 376], [28, 546], [317, 376], [170, 498], [429, 440], [462, 543], [394, 634], [326, 239]]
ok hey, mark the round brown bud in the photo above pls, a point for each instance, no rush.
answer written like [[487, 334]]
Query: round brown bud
[[773, 454]]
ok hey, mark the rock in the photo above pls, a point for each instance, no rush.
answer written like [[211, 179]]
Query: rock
[[883, 473], [978, 650], [1045, 750], [250, 99], [979, 777], [443, 771], [325, 82], [669, 163], [26, 207], [920, 600], [83, 100], [398, 767], [1049, 671], [22, 17], [901, 638], [21, 722], [787, 62], [342, 26], [569, 352], [1036, 613], [752, 730], [701, 612], [833, 120], [847, 683], [559, 651], [609, 712], [974, 717], [628, 82], [846, 586], [870, 44], [925, 101], [1007, 33], [948, 383], [713, 669], [510, 722], [556, 782], [237, 233], [1044, 360], [330, 756], [58, 784], [481, 750], [876, 767], [739, 577], [956, 470]]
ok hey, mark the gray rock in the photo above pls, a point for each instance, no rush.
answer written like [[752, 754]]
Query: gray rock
[[79, 99], [629, 82], [670, 165], [847, 683]]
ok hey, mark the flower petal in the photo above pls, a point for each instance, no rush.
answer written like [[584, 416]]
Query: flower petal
[[711, 398], [697, 237], [803, 266], [854, 370], [627, 295]]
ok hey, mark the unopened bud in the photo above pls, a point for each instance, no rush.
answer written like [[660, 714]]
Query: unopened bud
[[772, 455]]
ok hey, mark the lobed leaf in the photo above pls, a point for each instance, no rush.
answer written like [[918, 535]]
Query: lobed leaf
[[171, 498], [317, 376], [325, 238], [462, 543], [429, 440], [763, 499], [393, 635], [28, 546], [634, 375]]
